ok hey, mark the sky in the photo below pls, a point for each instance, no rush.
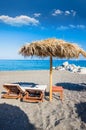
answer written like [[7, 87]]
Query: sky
[[24, 21]]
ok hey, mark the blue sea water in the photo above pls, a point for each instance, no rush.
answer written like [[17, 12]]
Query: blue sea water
[[17, 65]]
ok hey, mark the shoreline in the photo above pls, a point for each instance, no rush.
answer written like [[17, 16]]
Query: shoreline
[[42, 70]]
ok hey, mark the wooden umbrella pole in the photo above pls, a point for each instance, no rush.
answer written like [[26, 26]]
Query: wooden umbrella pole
[[50, 78]]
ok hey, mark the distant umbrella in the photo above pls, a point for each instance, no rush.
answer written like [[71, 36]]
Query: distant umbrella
[[53, 48]]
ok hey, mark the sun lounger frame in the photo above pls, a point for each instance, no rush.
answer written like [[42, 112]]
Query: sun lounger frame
[[14, 91], [37, 96]]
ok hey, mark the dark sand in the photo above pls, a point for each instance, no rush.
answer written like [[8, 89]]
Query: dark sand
[[56, 115]]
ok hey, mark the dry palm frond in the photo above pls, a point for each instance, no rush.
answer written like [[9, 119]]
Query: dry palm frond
[[52, 47]]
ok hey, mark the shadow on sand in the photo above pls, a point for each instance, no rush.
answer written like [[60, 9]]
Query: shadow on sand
[[72, 86], [81, 110], [13, 118]]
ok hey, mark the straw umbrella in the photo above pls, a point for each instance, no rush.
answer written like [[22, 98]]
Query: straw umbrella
[[53, 48]]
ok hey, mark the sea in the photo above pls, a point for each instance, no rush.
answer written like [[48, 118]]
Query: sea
[[21, 65]]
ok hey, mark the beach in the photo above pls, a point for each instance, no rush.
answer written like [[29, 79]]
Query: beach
[[69, 114]]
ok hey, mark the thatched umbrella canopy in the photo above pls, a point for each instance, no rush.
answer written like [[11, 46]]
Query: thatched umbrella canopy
[[53, 48]]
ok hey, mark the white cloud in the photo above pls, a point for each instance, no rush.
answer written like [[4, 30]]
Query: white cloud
[[62, 28], [73, 12], [18, 20], [81, 26], [71, 27], [57, 12], [37, 14], [77, 26], [66, 12]]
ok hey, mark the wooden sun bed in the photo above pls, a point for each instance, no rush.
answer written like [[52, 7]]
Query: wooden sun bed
[[14, 91], [34, 94], [27, 94]]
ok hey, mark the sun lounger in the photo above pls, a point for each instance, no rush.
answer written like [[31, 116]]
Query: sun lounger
[[35, 94], [13, 91], [25, 93]]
